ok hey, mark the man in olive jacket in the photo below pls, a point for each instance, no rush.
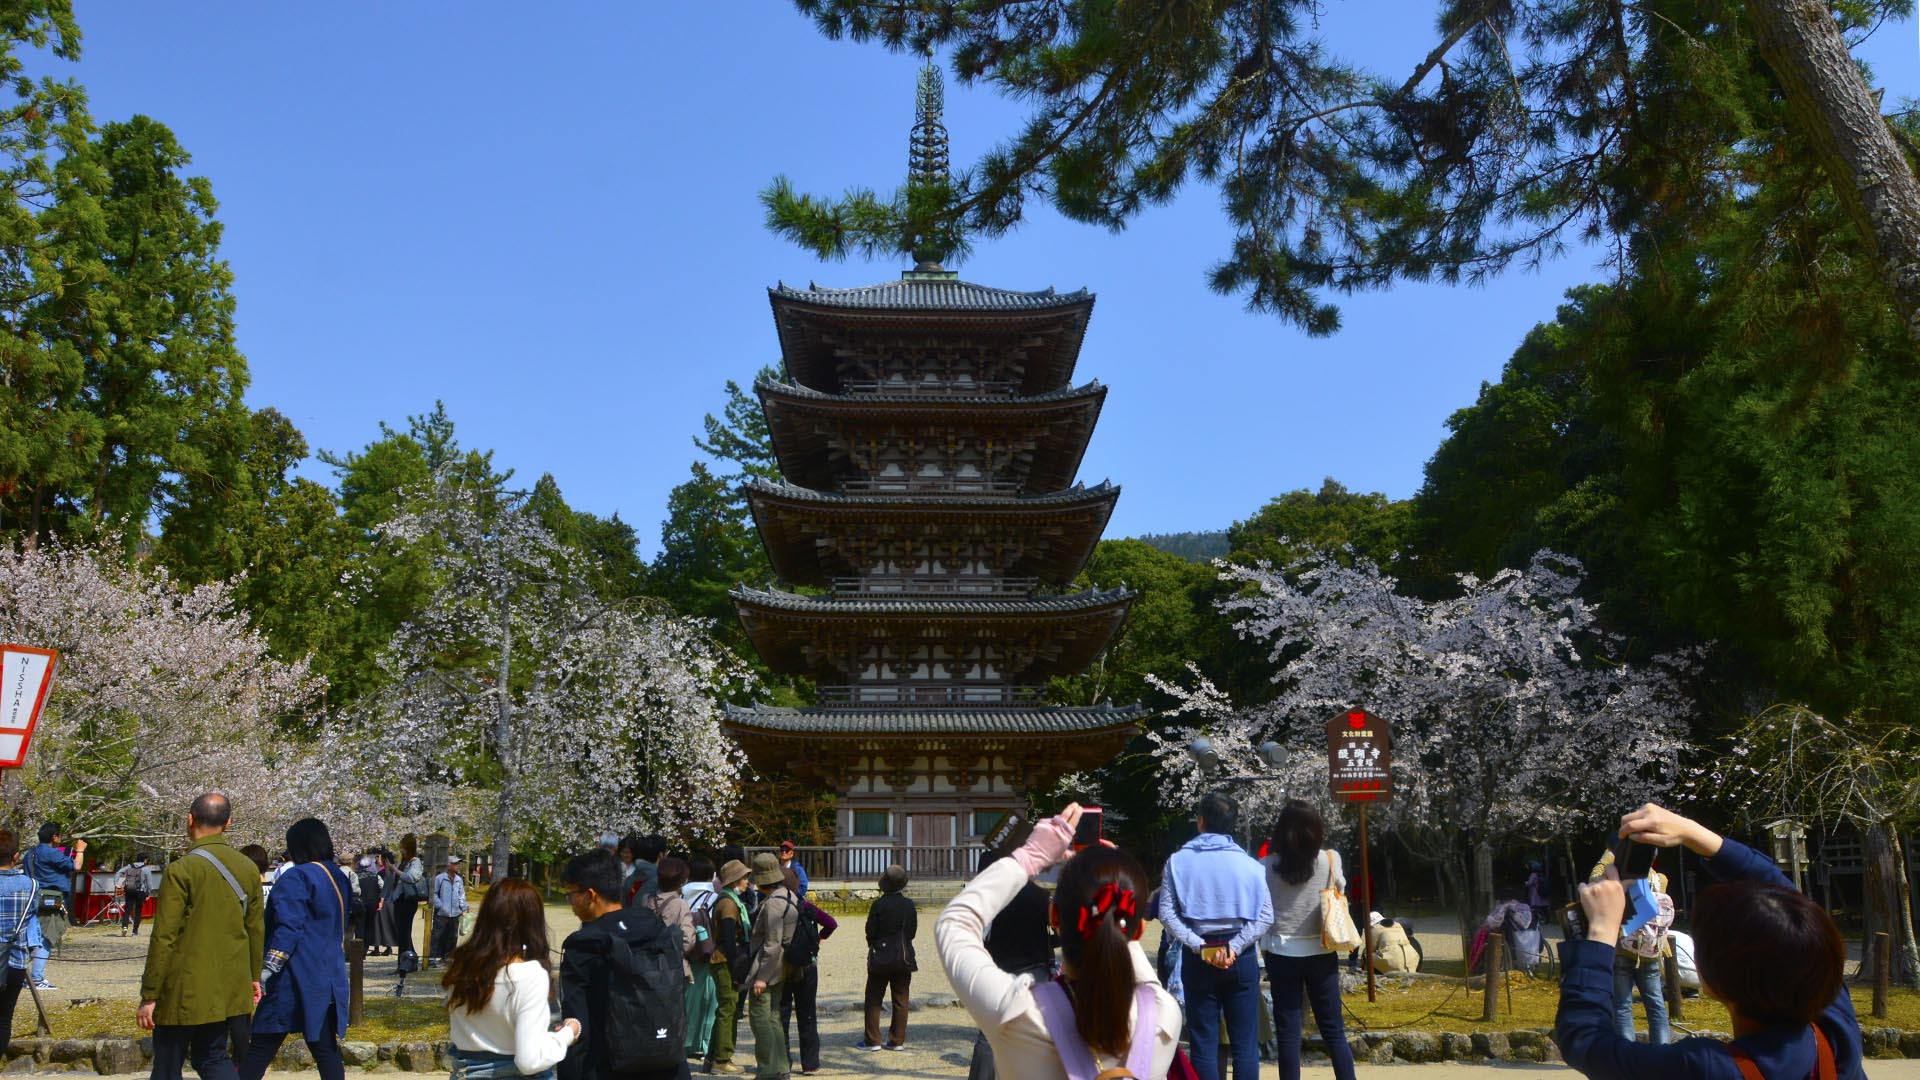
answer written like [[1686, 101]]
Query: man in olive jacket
[[209, 942]]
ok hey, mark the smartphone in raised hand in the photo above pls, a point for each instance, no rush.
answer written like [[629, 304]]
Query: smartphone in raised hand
[[1090, 829]]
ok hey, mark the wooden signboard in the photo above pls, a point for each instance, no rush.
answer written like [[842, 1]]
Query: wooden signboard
[[1359, 757]]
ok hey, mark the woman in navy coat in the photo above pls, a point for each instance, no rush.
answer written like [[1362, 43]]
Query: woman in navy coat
[[305, 978]]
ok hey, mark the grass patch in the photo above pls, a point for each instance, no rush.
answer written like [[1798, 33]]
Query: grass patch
[[388, 1020], [1433, 1005]]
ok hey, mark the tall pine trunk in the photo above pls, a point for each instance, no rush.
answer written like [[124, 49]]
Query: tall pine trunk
[[1869, 172]]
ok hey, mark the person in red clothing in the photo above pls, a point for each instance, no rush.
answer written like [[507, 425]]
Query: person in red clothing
[[1770, 954]]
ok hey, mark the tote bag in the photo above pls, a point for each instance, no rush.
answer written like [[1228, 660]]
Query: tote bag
[[1337, 931]]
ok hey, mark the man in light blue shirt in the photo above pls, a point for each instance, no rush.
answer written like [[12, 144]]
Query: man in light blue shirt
[[1214, 901], [449, 898]]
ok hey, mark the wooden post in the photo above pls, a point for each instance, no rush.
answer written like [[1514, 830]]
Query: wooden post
[[1670, 975], [1496, 971], [1882, 973], [39, 1007], [1366, 903], [357, 980]]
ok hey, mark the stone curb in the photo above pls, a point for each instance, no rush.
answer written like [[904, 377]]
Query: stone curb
[[111, 1057]]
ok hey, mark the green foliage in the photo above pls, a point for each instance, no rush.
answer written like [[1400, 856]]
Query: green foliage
[[739, 434], [1374, 526], [1525, 125], [1192, 546]]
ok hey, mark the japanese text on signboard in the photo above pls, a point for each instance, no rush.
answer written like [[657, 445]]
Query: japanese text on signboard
[[1359, 757]]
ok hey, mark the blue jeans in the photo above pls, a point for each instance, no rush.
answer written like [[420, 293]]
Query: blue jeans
[[1232, 994], [40, 955], [1320, 975], [479, 1065], [1628, 972]]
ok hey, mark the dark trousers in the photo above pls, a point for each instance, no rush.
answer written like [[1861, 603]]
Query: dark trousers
[[1215, 995], [403, 923], [877, 987], [16, 980], [1319, 976], [799, 994], [263, 1045], [981, 1067], [446, 931], [134, 904], [203, 1044]]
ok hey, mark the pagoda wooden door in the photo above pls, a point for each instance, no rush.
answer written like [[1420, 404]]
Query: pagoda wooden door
[[931, 839]]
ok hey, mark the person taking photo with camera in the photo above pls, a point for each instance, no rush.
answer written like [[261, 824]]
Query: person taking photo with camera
[[1768, 953]]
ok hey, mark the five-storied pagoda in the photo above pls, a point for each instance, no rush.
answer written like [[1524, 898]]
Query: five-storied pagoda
[[928, 432]]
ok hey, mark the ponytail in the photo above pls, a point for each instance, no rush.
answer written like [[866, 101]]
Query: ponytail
[[1099, 908]]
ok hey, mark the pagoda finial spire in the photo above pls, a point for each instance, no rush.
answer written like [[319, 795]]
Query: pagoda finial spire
[[927, 156], [929, 180]]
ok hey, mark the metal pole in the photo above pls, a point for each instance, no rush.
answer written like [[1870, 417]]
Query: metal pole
[[1366, 901]]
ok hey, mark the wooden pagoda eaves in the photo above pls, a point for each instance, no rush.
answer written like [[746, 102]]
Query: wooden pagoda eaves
[[825, 638], [816, 325], [812, 536], [812, 432]]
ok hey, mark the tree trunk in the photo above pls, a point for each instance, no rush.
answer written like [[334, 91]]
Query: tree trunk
[[1880, 881], [1906, 963], [1831, 102], [503, 736], [1456, 875]]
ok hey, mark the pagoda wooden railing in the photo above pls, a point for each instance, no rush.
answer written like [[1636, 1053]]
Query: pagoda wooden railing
[[956, 695], [944, 485], [913, 586], [919, 388], [860, 861]]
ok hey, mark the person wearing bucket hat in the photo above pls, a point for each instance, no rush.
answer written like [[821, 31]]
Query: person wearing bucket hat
[[772, 929], [731, 961]]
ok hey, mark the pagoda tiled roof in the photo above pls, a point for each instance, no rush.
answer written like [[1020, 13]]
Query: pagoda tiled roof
[[949, 294], [895, 604], [932, 401], [1044, 720], [1077, 494]]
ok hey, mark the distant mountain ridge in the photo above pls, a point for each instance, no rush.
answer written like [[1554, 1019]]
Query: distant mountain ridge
[[1192, 546]]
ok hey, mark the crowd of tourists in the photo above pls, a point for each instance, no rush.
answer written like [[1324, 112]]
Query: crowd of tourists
[[675, 949]]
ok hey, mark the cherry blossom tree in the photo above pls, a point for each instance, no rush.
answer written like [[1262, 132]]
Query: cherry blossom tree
[[161, 694], [1512, 716], [520, 704]]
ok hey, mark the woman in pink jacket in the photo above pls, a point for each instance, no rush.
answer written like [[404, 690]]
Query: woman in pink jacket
[[1107, 1009]]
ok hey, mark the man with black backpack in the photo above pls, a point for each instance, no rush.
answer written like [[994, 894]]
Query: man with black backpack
[[621, 978], [773, 930]]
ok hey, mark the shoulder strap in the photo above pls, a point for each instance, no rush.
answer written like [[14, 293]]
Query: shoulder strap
[[1057, 1011], [1823, 1064], [239, 893], [1146, 1029], [341, 900]]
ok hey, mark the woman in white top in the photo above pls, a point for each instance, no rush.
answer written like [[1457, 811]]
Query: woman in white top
[[1092, 1019], [1297, 870], [499, 991]]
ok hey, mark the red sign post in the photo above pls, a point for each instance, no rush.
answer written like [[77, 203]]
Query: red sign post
[[26, 675], [1360, 771]]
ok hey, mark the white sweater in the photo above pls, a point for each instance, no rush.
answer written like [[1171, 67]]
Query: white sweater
[[517, 1020], [1002, 1004]]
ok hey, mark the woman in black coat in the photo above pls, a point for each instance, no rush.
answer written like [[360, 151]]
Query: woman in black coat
[[891, 925]]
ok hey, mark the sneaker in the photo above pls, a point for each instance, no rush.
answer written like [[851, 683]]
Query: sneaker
[[867, 1046], [44, 985], [723, 1068], [894, 1046]]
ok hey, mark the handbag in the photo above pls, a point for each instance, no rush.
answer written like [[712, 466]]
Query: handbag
[[1337, 932], [891, 955]]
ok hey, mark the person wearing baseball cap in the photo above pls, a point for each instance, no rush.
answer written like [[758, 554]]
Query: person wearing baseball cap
[[449, 898], [787, 861]]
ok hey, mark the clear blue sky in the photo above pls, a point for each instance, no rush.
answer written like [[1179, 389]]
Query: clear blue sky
[[545, 215]]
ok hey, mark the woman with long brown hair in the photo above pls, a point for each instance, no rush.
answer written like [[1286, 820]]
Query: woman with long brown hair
[[1298, 870], [499, 991], [1108, 1008], [409, 888]]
